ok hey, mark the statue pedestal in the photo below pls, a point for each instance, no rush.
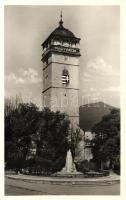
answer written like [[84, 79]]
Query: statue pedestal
[[70, 169]]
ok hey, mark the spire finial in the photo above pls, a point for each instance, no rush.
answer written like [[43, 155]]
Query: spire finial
[[61, 21], [61, 14]]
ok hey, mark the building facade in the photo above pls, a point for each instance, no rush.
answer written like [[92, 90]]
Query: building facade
[[60, 59]]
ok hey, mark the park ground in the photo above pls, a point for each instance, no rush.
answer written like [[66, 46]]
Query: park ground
[[20, 186]]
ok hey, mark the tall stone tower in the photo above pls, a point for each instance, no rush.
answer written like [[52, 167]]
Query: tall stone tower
[[60, 59]]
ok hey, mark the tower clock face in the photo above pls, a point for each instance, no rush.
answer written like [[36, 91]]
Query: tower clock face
[[65, 77]]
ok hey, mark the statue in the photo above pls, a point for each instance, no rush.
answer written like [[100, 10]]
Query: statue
[[75, 133], [69, 166]]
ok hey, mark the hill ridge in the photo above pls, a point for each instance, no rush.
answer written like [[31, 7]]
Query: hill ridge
[[91, 114]]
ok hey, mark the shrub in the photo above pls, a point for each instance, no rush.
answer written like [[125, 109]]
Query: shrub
[[116, 168], [83, 166], [104, 172]]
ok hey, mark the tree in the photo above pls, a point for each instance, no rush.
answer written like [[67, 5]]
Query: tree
[[51, 140], [29, 130], [20, 126], [76, 142], [73, 137], [106, 144], [11, 104]]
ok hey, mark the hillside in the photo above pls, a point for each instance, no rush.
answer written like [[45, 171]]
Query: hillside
[[91, 114]]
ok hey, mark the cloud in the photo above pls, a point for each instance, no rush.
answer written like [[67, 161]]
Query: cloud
[[93, 89], [100, 79], [87, 75], [30, 71], [29, 76], [112, 89], [10, 77], [98, 68]]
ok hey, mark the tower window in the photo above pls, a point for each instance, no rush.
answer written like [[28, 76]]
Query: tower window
[[65, 77]]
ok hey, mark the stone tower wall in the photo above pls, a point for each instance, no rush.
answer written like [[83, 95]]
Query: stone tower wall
[[55, 95]]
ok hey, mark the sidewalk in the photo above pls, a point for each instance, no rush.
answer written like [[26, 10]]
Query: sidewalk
[[112, 178]]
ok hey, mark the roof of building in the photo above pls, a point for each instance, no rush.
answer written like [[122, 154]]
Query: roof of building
[[61, 33]]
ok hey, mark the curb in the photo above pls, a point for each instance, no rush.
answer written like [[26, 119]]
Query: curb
[[61, 181]]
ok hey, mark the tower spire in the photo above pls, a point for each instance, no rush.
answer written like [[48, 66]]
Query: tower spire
[[61, 15], [61, 21]]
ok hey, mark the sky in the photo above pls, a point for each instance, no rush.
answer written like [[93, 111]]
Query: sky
[[26, 27]]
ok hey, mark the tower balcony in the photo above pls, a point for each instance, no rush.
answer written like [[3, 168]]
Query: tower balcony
[[61, 50]]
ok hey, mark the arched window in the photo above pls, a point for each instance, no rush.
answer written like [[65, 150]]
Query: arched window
[[65, 77]]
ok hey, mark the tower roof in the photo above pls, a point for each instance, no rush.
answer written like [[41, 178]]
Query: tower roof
[[61, 33]]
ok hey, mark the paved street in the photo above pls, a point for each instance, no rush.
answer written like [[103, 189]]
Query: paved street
[[20, 187]]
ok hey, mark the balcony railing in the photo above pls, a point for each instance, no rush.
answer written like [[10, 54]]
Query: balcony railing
[[62, 49]]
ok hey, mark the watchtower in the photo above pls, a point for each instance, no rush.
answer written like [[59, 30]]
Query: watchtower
[[60, 59]]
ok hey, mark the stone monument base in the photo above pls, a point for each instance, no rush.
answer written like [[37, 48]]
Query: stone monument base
[[69, 175], [70, 169]]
